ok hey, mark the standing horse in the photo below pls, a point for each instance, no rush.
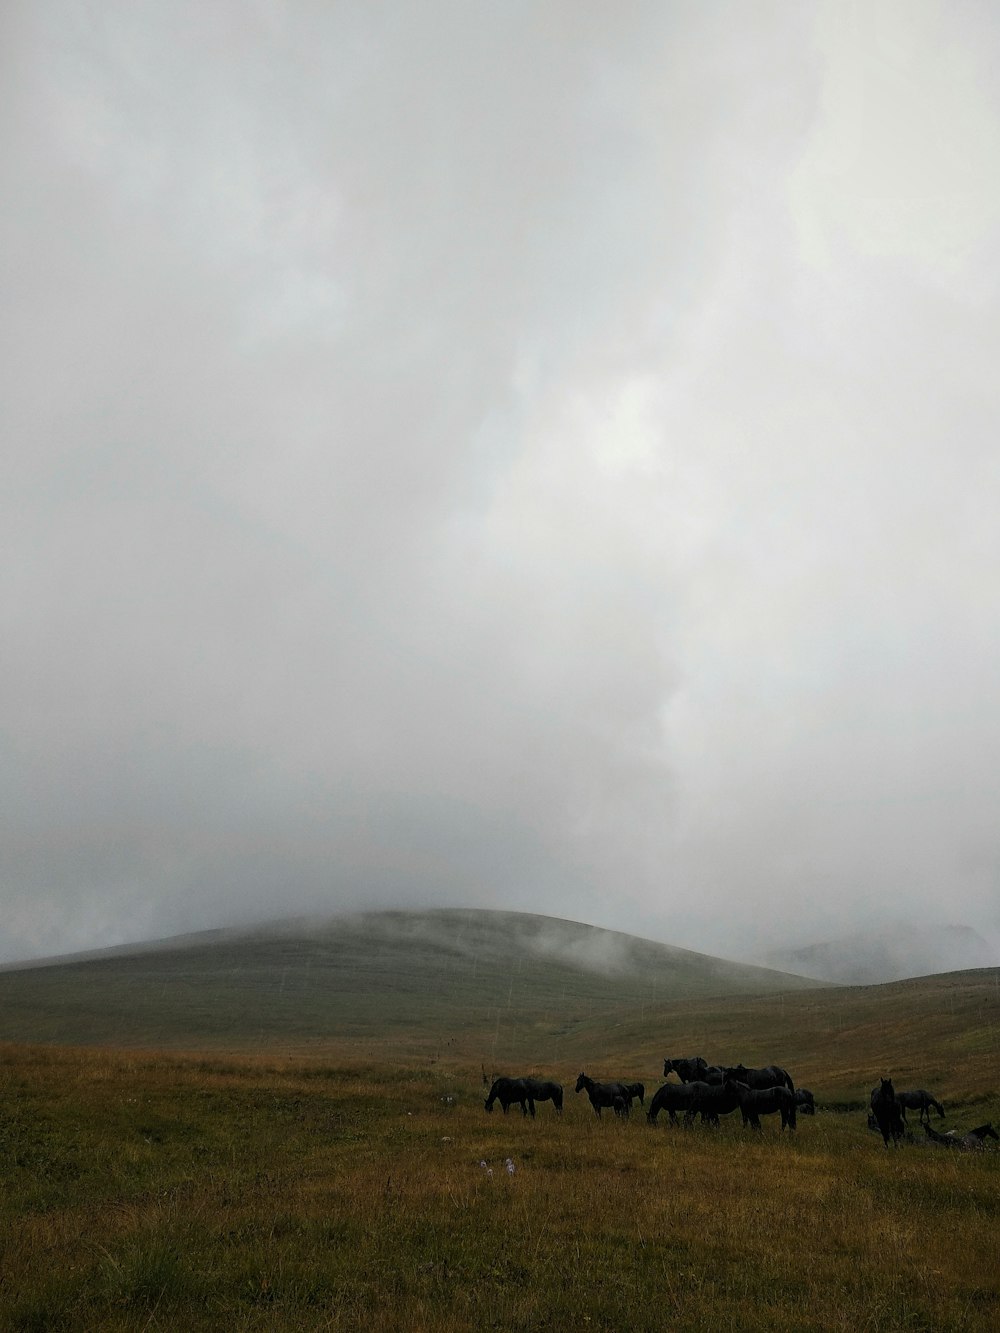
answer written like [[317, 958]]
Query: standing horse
[[635, 1092], [688, 1071], [614, 1095], [711, 1101], [696, 1070], [507, 1091], [542, 1090], [769, 1076], [887, 1112], [918, 1100], [755, 1102]]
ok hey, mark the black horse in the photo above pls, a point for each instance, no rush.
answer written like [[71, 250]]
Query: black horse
[[672, 1097], [711, 1100], [768, 1076], [805, 1102], [601, 1095], [696, 1070], [507, 1091], [635, 1092], [755, 1102], [543, 1090], [918, 1100], [687, 1070], [887, 1112]]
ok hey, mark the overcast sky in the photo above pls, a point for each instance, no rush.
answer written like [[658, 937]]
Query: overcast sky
[[535, 455]]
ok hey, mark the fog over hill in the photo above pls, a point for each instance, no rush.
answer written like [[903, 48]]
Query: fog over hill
[[889, 954]]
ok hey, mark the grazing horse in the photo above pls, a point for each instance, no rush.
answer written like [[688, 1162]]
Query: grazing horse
[[542, 1090], [614, 1095], [672, 1097], [918, 1100], [805, 1102], [507, 1091], [887, 1112], [755, 1102], [769, 1076]]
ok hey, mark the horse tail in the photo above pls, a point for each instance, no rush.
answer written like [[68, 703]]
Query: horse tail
[[788, 1080]]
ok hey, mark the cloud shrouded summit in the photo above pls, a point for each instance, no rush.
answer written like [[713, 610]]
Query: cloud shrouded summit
[[502, 456]]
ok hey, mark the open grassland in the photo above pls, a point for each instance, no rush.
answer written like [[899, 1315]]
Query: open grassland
[[150, 1190], [314, 1160]]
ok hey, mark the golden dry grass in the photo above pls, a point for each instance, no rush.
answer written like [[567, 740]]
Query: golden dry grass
[[142, 1190]]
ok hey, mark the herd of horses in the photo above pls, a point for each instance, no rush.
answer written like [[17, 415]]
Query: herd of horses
[[712, 1091], [888, 1117]]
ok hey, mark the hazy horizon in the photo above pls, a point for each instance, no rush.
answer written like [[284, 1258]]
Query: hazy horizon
[[520, 457]]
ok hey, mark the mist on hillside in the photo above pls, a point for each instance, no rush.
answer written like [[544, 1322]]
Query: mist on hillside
[[891, 954], [500, 456]]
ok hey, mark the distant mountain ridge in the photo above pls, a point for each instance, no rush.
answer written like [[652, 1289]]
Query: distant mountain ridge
[[890, 953]]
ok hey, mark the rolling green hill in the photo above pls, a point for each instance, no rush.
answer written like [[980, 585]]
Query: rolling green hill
[[501, 991], [418, 979]]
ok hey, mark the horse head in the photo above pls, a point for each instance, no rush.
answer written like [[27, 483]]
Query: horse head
[[582, 1082]]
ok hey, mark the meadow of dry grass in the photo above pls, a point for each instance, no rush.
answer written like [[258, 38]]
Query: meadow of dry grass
[[146, 1190]]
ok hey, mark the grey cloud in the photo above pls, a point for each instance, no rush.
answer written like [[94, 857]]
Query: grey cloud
[[478, 457]]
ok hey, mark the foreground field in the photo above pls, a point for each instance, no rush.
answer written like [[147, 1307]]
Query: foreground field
[[144, 1191]]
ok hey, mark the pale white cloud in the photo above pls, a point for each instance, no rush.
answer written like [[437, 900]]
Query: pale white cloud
[[515, 456]]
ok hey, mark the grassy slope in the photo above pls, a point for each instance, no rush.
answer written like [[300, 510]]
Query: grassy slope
[[511, 992], [415, 978], [283, 1191]]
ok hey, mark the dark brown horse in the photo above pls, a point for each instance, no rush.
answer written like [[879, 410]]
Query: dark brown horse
[[755, 1102], [544, 1090], [614, 1095], [508, 1091], [887, 1112]]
